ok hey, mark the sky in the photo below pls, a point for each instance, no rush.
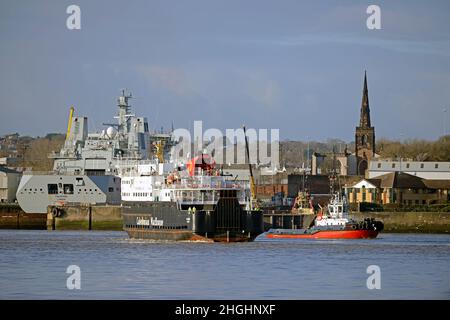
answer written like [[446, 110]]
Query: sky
[[296, 66]]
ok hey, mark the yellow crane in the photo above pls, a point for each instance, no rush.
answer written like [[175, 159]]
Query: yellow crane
[[159, 145], [69, 125]]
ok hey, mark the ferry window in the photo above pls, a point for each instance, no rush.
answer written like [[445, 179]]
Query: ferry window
[[52, 188], [79, 181], [68, 188]]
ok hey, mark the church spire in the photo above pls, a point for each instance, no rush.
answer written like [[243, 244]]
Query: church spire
[[365, 110]]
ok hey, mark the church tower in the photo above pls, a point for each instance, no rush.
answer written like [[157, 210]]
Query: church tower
[[365, 134]]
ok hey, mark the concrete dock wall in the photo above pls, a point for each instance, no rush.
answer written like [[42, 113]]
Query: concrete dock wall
[[85, 218], [110, 218], [422, 222], [20, 220], [12, 217]]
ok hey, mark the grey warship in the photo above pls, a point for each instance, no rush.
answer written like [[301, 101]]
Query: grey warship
[[85, 169]]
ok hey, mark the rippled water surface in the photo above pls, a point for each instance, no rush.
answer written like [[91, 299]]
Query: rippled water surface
[[33, 266]]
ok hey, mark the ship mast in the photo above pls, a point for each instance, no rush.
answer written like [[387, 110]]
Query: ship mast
[[333, 172]]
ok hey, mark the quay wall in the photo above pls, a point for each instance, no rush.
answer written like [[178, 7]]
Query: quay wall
[[12, 217], [71, 218], [416, 222], [110, 218], [86, 218]]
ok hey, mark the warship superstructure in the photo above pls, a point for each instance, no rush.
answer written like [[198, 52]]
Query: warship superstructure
[[85, 171]]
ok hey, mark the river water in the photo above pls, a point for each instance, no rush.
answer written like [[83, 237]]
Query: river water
[[33, 265]]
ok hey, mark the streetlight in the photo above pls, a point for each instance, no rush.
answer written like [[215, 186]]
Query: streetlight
[[401, 150], [444, 120], [307, 156]]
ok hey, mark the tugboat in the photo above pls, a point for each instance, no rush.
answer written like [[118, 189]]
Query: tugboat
[[334, 223]]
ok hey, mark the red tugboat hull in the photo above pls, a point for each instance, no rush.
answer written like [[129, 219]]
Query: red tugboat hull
[[327, 234]]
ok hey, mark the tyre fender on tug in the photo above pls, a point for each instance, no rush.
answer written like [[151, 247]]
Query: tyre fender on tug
[[57, 212]]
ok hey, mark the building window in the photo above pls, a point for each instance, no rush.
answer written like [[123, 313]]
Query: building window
[[68, 188], [110, 189], [393, 165], [407, 165], [52, 188], [379, 165], [436, 166], [421, 166]]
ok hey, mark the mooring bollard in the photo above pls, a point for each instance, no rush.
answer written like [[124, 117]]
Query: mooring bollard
[[51, 221], [90, 218]]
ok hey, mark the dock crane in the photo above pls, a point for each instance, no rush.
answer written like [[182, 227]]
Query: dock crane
[[252, 179], [69, 124]]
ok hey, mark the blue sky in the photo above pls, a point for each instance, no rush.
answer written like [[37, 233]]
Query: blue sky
[[293, 65]]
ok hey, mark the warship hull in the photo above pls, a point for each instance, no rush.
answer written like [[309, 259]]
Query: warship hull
[[36, 192], [225, 221]]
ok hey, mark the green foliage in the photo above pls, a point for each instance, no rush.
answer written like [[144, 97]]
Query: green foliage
[[34, 153], [365, 207], [295, 153], [417, 150]]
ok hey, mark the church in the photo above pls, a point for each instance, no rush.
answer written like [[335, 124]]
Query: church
[[354, 163], [364, 135]]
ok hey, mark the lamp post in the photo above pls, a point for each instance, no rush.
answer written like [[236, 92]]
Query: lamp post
[[401, 150], [444, 120], [307, 157]]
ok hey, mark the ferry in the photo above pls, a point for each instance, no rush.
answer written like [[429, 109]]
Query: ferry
[[190, 202]]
